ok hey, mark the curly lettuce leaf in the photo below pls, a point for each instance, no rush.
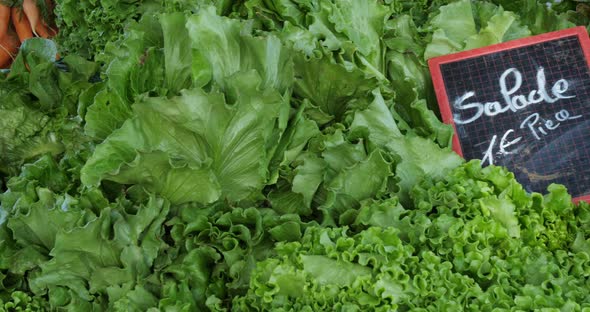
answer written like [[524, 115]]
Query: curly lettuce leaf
[[87, 26]]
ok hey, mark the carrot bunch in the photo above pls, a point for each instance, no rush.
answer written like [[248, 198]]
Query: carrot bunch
[[21, 22]]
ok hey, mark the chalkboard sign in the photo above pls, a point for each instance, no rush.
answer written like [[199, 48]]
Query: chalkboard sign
[[523, 104]]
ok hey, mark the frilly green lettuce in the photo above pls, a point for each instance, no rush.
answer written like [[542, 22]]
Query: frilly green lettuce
[[465, 246]]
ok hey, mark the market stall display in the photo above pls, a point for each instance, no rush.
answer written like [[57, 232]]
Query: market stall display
[[269, 155]]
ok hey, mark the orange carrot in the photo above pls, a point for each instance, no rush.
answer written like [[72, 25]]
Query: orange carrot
[[32, 12], [41, 30], [4, 19], [21, 25], [8, 48]]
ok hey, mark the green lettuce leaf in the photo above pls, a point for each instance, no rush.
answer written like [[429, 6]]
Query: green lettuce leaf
[[464, 25], [136, 67], [38, 105], [86, 27], [194, 147], [416, 157], [224, 47]]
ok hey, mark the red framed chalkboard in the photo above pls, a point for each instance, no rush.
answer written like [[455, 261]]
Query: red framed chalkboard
[[522, 104]]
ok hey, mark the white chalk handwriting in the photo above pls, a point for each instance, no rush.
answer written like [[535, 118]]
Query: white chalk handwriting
[[510, 84]]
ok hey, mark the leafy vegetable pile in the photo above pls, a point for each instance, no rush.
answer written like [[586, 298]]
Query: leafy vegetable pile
[[269, 156]]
